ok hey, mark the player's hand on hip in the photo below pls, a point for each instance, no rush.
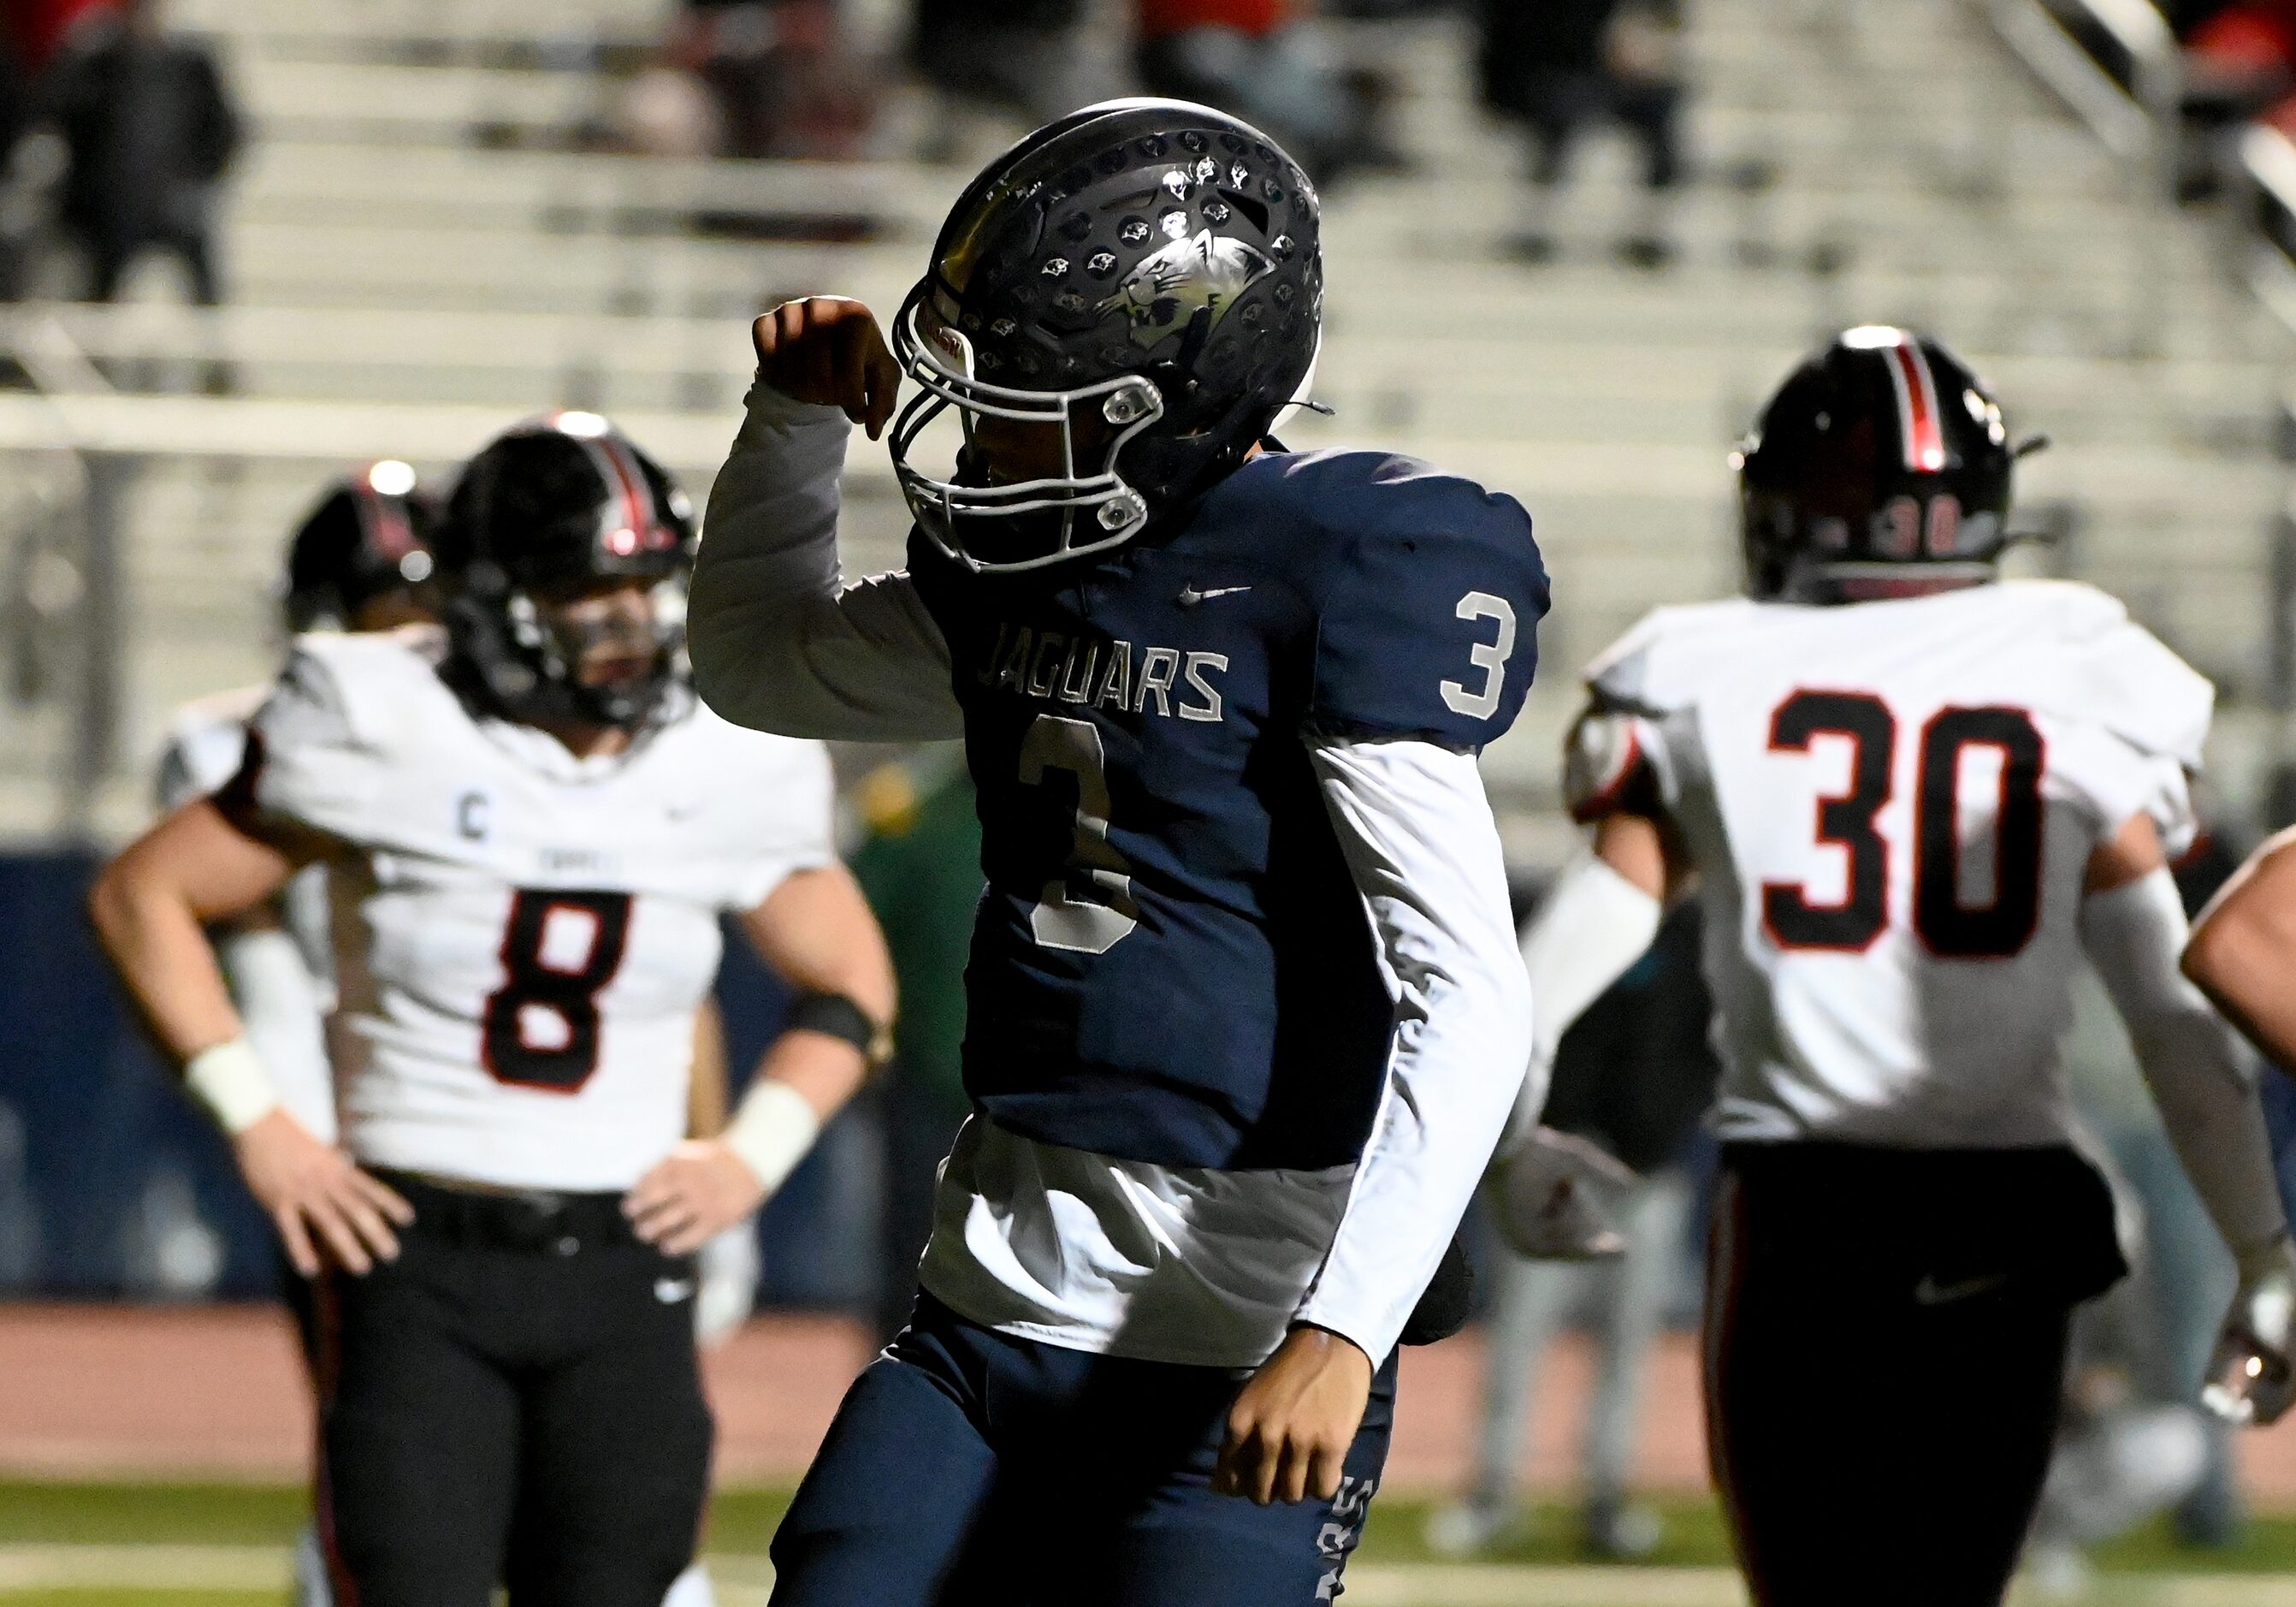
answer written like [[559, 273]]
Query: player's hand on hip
[[694, 1193], [828, 350], [1289, 1431], [2250, 1379], [325, 1208]]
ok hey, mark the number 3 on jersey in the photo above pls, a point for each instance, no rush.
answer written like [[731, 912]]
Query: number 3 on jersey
[[1086, 906], [1949, 928], [559, 950], [1490, 657]]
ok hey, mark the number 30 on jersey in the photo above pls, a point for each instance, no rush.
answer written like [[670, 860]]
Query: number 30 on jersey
[[1948, 927]]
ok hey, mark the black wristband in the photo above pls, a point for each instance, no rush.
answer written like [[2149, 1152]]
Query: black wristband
[[838, 1017]]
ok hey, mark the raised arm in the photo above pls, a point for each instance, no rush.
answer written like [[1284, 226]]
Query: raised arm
[[780, 643]]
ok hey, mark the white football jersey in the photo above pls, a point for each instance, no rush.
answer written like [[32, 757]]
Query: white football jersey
[[1891, 806], [521, 938], [207, 738]]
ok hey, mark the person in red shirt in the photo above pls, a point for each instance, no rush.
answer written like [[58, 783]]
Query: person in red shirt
[[1261, 60], [1160, 19]]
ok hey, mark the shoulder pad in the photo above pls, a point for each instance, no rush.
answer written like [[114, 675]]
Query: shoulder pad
[[2115, 673], [1601, 757], [1652, 668], [383, 686], [207, 738], [1428, 592]]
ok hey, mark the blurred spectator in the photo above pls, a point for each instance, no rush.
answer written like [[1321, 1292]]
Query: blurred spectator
[[150, 131], [666, 110], [38, 28], [750, 78], [1635, 1074], [1561, 67], [782, 80], [1025, 57], [920, 867], [1265, 61], [2239, 65]]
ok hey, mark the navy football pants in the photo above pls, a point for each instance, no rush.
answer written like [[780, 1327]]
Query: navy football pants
[[967, 1467]]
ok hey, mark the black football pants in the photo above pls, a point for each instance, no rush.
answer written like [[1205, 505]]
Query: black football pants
[[517, 1399], [1880, 1415]]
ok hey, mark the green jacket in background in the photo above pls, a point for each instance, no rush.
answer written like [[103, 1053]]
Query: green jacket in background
[[920, 867]]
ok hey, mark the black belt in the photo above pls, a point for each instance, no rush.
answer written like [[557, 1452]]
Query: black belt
[[536, 1222]]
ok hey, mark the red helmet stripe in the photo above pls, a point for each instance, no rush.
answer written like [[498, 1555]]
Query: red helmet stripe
[[1923, 431], [629, 480], [382, 521]]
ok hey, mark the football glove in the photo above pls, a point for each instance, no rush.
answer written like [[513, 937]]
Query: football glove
[[728, 1267], [2249, 1377], [1557, 1198]]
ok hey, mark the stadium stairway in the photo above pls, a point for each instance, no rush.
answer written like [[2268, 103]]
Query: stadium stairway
[[418, 255]]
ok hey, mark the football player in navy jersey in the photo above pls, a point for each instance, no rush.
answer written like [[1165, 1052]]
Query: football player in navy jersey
[[1245, 1009]]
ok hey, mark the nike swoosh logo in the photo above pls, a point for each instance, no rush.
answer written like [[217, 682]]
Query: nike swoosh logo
[[1929, 1292], [1190, 596], [670, 1291]]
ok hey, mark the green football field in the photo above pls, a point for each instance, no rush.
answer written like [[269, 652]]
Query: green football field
[[224, 1545]]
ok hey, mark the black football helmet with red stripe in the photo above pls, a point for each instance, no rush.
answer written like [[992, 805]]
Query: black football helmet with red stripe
[[364, 542], [1880, 467], [554, 510]]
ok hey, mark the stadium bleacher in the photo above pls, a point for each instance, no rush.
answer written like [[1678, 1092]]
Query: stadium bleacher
[[417, 253]]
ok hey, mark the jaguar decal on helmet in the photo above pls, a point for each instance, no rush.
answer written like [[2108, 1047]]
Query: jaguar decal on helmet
[[1207, 274]]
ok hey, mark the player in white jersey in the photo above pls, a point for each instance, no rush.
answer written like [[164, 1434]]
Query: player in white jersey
[[531, 831], [1913, 798], [357, 561]]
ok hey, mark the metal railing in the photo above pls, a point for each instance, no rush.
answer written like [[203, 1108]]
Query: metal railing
[[2265, 218], [2115, 64], [62, 602]]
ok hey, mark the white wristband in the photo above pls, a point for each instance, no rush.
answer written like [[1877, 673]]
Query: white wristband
[[772, 1130], [230, 1081]]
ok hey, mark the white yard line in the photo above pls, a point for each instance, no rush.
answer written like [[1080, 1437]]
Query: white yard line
[[145, 1567], [743, 1580]]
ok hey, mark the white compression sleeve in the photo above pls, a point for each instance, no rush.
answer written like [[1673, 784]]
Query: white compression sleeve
[[230, 1081], [283, 1008], [2202, 1075], [779, 642], [771, 1131], [1591, 928], [1416, 829]]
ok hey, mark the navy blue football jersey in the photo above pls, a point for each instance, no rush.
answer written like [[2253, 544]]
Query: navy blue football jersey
[[1171, 962]]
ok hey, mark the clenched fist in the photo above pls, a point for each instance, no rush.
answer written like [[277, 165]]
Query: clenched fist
[[828, 350]]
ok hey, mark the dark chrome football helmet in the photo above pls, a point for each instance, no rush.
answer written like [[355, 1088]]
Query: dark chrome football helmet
[[367, 536], [1142, 278], [1881, 462], [552, 508]]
